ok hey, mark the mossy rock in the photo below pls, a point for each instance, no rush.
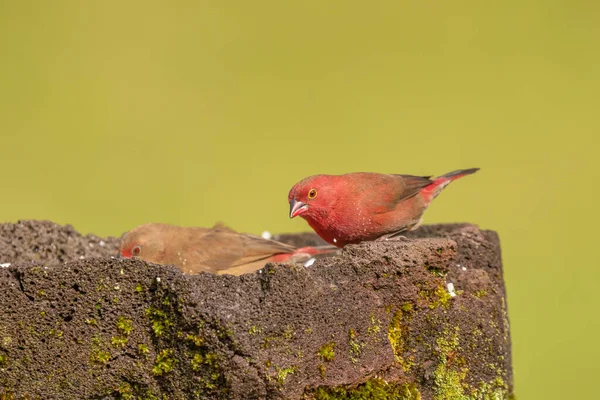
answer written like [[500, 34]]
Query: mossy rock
[[380, 320]]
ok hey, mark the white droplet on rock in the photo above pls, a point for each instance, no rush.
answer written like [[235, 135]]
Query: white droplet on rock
[[5, 265], [266, 235], [451, 289], [309, 262]]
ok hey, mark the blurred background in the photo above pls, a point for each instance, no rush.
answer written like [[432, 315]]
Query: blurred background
[[114, 114]]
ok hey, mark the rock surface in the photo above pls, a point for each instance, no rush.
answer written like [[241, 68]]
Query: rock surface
[[380, 321]]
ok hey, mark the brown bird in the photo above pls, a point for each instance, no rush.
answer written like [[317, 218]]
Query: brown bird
[[219, 250]]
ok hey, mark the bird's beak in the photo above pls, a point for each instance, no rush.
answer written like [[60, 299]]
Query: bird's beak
[[297, 208]]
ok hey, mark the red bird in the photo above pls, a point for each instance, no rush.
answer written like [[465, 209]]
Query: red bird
[[365, 206], [219, 250]]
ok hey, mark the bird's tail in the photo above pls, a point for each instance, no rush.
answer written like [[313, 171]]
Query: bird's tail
[[303, 254], [317, 250], [431, 191]]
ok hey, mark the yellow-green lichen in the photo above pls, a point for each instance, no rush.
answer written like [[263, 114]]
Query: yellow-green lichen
[[398, 336], [327, 352], [480, 293], [438, 297], [355, 345], [3, 360], [374, 388], [450, 374], [375, 326]]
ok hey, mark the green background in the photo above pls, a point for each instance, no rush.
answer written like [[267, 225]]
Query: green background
[[114, 114]]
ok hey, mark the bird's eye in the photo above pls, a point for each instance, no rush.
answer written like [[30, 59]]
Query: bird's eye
[[136, 250], [312, 193]]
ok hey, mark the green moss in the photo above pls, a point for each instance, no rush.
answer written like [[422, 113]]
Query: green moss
[[374, 388], [163, 363], [288, 333], [480, 293], [100, 356], [142, 349], [124, 325], [3, 360], [435, 271], [125, 391], [322, 370], [254, 330], [197, 340], [160, 323], [118, 341], [139, 288], [207, 365], [326, 352], [55, 332], [97, 354], [91, 321], [407, 307], [284, 372]]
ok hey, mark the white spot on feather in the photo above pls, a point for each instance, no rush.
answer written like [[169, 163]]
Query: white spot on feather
[[334, 240]]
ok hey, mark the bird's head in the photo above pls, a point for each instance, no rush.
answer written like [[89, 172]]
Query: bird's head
[[146, 242], [313, 197]]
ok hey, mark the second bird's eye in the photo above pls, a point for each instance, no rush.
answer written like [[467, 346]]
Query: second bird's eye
[[312, 194], [136, 250]]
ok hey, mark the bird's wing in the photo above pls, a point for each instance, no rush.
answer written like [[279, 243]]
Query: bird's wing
[[218, 249], [393, 189]]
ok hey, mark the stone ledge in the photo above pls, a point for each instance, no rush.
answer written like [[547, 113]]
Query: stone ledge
[[379, 319]]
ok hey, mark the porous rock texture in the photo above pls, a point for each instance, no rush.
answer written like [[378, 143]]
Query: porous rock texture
[[377, 322]]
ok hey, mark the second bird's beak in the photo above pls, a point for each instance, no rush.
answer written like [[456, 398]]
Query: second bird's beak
[[297, 208]]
